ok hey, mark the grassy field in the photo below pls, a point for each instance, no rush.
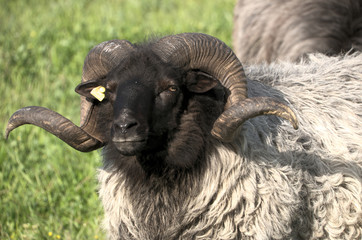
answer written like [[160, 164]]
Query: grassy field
[[47, 189]]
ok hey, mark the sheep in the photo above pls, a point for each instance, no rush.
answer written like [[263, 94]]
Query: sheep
[[288, 30], [185, 157]]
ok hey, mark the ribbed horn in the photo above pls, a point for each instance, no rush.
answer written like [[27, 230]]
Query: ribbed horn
[[206, 53], [56, 124], [226, 125], [211, 55]]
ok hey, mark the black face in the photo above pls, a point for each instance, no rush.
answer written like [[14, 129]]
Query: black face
[[146, 109]]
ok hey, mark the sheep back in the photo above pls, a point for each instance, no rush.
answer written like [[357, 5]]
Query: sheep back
[[289, 29]]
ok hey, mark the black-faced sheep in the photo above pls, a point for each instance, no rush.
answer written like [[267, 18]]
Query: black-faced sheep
[[165, 176], [289, 29]]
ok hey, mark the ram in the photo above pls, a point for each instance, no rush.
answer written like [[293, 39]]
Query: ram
[[195, 150], [289, 29]]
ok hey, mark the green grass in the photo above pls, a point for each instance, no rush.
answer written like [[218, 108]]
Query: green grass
[[47, 189]]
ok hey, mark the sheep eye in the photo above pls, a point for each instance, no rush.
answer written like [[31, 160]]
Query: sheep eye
[[169, 90], [173, 88]]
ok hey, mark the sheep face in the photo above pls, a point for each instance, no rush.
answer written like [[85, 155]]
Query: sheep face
[[146, 106], [149, 98], [144, 111]]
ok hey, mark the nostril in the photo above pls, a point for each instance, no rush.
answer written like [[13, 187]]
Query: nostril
[[125, 126]]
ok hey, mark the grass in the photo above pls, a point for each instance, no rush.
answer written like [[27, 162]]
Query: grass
[[47, 189]]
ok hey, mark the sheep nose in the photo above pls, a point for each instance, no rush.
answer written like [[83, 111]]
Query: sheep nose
[[125, 122], [123, 127]]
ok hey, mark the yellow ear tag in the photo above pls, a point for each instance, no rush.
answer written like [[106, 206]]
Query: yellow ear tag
[[98, 92]]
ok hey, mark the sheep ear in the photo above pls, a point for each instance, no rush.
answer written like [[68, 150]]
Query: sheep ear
[[91, 89], [200, 82]]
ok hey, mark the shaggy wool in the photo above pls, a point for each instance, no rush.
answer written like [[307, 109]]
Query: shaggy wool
[[288, 29], [272, 182]]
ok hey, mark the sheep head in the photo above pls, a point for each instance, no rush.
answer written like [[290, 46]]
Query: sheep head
[[191, 63], [148, 97]]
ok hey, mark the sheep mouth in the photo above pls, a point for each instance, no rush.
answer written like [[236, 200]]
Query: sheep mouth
[[129, 147], [129, 140]]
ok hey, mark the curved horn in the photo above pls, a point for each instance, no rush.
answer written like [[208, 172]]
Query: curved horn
[[94, 116], [56, 124], [209, 54], [226, 125]]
